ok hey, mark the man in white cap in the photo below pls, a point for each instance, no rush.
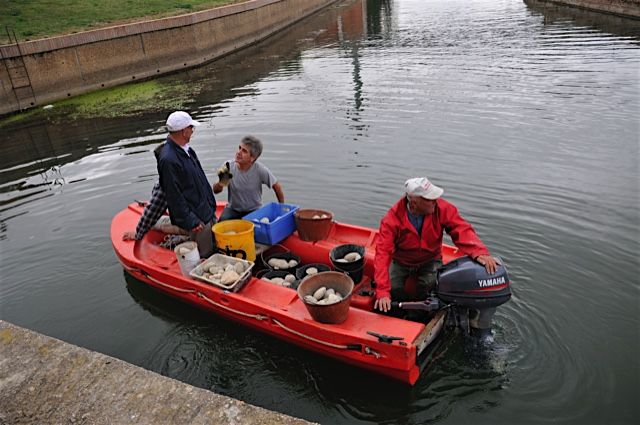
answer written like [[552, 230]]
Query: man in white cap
[[188, 193], [410, 242]]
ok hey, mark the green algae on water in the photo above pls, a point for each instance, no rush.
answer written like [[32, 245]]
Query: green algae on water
[[121, 101], [131, 99]]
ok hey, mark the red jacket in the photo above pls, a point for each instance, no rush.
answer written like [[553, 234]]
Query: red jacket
[[398, 240]]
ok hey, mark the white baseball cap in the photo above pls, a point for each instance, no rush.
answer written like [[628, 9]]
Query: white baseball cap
[[421, 186], [180, 120]]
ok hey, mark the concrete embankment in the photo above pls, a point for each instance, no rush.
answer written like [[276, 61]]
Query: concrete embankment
[[44, 381], [41, 71], [629, 8]]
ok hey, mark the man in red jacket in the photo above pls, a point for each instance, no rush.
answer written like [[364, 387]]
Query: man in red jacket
[[410, 242]]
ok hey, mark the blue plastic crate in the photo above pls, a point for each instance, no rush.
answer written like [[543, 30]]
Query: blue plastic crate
[[281, 222]]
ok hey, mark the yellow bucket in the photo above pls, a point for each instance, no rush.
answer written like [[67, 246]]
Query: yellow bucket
[[235, 239]]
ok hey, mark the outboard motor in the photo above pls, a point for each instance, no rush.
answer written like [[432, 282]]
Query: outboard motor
[[473, 293]]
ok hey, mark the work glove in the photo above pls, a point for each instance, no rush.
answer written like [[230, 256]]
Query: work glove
[[224, 175]]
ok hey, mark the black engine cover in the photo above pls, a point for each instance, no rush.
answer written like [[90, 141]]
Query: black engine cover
[[466, 283]]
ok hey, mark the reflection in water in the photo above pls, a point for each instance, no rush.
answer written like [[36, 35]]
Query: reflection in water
[[42, 144], [352, 25], [379, 18], [555, 13]]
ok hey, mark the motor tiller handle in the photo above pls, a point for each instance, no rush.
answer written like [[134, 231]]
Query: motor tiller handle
[[426, 305]]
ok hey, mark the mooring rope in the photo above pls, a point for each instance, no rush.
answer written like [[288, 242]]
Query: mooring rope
[[186, 291], [241, 313], [329, 344], [148, 276]]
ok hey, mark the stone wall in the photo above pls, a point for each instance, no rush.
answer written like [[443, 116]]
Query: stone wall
[[46, 381], [630, 8], [65, 66]]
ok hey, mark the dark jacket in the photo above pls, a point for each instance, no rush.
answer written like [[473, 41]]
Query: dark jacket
[[189, 195]]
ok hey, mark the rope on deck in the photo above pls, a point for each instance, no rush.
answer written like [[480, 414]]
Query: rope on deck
[[241, 313], [186, 291], [166, 285], [329, 344]]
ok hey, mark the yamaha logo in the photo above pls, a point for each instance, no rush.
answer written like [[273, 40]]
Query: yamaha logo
[[483, 283]]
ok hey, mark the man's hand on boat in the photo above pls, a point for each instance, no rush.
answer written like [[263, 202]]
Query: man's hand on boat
[[198, 228], [490, 264], [129, 236], [383, 304]]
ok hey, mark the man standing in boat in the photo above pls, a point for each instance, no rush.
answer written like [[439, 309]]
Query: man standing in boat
[[153, 213], [190, 199], [244, 177], [410, 242]]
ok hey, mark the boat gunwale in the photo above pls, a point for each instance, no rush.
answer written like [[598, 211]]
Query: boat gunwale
[[399, 358]]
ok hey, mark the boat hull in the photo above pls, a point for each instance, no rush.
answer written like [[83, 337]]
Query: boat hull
[[278, 311]]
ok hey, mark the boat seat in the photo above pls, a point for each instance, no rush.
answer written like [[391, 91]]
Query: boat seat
[[152, 253], [269, 293]]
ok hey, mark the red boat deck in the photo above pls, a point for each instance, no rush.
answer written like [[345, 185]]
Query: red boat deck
[[278, 310]]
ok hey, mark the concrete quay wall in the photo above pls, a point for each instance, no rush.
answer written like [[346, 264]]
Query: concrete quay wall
[[628, 8], [46, 381], [42, 71]]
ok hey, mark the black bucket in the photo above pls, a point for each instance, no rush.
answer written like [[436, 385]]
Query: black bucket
[[280, 273], [285, 256], [355, 269], [301, 272]]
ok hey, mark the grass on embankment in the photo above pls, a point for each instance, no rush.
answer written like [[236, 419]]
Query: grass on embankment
[[44, 18]]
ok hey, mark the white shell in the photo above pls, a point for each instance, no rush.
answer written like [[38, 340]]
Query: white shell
[[213, 269], [341, 260], [278, 263], [310, 299], [323, 301], [324, 216], [311, 270], [264, 220], [352, 256], [333, 298], [292, 263], [277, 280], [239, 267], [290, 278], [229, 276], [330, 291], [319, 294], [231, 232], [315, 217]]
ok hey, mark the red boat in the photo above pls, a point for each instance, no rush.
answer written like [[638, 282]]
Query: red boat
[[382, 344]]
